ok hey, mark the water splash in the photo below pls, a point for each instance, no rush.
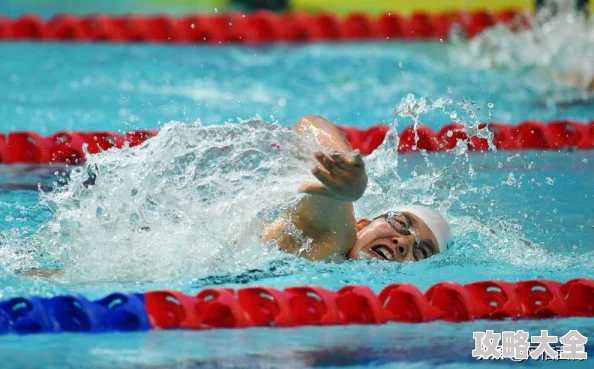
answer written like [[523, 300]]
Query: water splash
[[454, 184], [192, 202], [553, 53]]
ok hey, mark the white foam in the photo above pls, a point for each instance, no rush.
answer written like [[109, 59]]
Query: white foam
[[553, 47], [194, 199], [191, 200]]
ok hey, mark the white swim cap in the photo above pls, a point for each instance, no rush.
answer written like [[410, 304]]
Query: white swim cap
[[434, 220]]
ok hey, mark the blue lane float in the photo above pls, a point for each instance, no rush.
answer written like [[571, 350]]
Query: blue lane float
[[74, 313]]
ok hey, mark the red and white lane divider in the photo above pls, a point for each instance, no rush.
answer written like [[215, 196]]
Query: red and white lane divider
[[68, 147], [256, 27]]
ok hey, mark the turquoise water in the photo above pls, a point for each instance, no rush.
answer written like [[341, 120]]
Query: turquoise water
[[516, 215], [55, 87]]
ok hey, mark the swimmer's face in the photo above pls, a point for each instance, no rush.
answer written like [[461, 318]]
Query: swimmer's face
[[394, 236]]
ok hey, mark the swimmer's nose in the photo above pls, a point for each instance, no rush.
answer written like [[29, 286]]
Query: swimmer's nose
[[402, 247]]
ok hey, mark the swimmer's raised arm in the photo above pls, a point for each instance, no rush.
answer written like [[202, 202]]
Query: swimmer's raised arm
[[326, 214]]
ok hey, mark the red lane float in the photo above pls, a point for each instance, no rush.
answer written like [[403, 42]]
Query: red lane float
[[356, 304], [257, 27], [67, 147], [63, 147], [557, 135]]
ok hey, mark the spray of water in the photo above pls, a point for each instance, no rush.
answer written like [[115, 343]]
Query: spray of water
[[554, 47], [193, 201], [449, 183]]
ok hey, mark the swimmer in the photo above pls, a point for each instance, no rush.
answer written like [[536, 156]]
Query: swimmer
[[325, 214]]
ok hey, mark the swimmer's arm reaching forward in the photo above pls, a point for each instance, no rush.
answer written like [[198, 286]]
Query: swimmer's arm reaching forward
[[326, 214]]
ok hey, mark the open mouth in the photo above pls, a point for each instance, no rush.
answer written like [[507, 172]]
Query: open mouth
[[383, 252]]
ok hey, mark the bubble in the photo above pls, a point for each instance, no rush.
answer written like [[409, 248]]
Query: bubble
[[549, 181], [511, 180]]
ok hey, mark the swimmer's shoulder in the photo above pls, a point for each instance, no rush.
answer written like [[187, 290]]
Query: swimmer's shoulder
[[319, 247]]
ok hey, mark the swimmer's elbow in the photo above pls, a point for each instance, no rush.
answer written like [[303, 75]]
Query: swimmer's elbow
[[305, 122]]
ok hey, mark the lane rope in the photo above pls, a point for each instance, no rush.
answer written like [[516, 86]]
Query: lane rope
[[299, 306], [253, 28], [68, 147]]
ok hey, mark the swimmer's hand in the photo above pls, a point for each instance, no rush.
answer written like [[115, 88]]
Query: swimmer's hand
[[342, 176]]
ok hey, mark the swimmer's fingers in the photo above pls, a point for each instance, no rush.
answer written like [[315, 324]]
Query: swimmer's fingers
[[327, 163], [348, 162], [325, 177]]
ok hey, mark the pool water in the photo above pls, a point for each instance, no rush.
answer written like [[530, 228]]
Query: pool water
[[516, 215]]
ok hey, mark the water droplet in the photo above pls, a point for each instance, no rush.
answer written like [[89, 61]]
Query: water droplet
[[513, 157], [192, 26], [490, 105], [549, 181], [585, 161]]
